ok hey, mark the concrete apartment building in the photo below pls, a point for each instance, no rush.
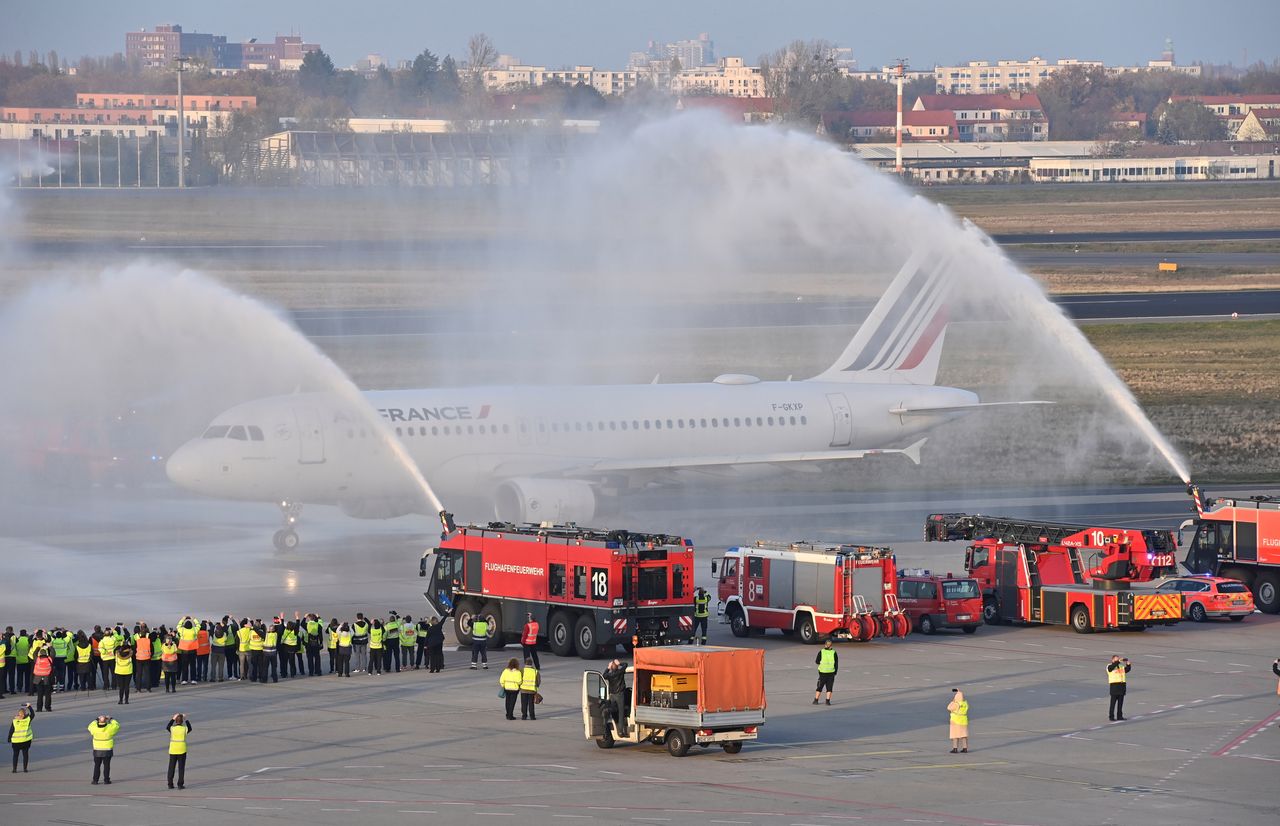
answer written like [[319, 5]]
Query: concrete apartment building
[[507, 78], [980, 77], [730, 77], [159, 48], [122, 115], [1016, 116]]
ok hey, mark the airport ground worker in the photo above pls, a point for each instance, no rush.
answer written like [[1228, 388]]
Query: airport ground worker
[[107, 658], [315, 641], [421, 655], [509, 681], [4, 665], [58, 645], [219, 640], [701, 612], [42, 679], [124, 673], [243, 652], [615, 677], [143, 651], [529, 640], [1275, 669], [479, 641], [204, 649], [435, 646], [103, 732], [828, 662], [377, 641], [84, 661], [361, 647], [21, 735], [530, 682], [959, 733], [344, 650], [169, 665], [408, 640], [1117, 686], [188, 641], [178, 727], [392, 651]]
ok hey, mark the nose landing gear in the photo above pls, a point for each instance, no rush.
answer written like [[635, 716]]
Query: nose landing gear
[[286, 539]]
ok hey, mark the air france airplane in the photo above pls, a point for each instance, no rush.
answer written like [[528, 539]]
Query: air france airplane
[[536, 454]]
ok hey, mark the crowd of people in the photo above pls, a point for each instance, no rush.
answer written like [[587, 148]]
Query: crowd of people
[[142, 657]]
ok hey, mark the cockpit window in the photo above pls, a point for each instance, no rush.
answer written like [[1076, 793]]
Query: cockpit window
[[217, 431], [255, 433], [237, 432]]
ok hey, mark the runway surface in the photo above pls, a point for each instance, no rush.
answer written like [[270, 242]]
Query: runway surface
[[1199, 746]]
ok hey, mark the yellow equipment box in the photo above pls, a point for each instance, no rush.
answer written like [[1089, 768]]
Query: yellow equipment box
[[675, 682], [1168, 266]]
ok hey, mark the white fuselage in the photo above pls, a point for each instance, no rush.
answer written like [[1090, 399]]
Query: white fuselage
[[323, 449]]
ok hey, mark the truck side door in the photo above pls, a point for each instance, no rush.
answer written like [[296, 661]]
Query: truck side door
[[595, 692], [757, 582]]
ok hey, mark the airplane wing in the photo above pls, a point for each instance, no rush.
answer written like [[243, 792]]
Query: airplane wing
[[962, 408], [912, 452]]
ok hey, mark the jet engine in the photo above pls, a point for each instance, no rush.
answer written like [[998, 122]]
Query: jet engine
[[545, 500]]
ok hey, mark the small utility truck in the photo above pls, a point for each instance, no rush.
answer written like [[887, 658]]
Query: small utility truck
[[680, 696]]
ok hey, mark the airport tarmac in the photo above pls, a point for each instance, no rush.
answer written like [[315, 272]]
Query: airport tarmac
[[1200, 745]]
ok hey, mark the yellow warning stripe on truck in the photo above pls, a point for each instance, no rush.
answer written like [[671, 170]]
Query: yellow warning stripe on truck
[[1157, 606]]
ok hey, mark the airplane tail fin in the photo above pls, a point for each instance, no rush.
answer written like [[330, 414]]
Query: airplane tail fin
[[901, 340]]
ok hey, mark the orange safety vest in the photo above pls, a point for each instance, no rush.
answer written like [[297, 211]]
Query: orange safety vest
[[43, 667], [142, 648], [530, 634], [202, 642]]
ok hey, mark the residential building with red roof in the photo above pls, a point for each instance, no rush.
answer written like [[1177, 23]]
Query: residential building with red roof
[[1017, 116], [917, 125]]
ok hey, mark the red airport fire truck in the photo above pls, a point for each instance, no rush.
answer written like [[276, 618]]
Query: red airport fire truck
[[1052, 574], [589, 590], [1238, 539], [840, 591]]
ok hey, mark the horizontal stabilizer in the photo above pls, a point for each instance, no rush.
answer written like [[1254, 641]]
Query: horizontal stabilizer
[[958, 408]]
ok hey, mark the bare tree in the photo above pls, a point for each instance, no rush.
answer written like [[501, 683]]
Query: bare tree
[[481, 53]]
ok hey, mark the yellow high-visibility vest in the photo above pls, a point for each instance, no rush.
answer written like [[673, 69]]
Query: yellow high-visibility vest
[[104, 737], [21, 731], [510, 679], [178, 738], [529, 679]]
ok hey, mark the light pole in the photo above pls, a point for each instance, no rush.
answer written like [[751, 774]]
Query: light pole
[[181, 60]]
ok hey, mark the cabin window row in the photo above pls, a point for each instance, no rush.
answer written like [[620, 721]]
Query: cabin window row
[[603, 426]]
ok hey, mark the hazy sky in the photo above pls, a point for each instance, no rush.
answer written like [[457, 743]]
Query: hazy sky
[[603, 32]]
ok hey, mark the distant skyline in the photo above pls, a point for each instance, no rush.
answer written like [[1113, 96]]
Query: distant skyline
[[603, 33]]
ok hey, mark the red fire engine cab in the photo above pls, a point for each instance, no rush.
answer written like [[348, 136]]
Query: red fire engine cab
[[1238, 539], [589, 590], [1052, 574], [841, 591]]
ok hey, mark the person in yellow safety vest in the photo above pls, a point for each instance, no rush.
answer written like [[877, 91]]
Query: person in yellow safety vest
[[188, 641], [220, 642], [270, 640], [408, 640], [392, 627], [530, 681], [21, 735], [479, 641], [360, 646], [107, 658], [84, 660], [289, 650], [828, 664], [701, 611], [178, 727], [4, 654], [509, 681], [1117, 685], [333, 645], [243, 653], [103, 731], [959, 708], [315, 640], [529, 640], [344, 649], [124, 673], [376, 643]]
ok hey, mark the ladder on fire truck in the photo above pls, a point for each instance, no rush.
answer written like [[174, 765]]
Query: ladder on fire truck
[[941, 527]]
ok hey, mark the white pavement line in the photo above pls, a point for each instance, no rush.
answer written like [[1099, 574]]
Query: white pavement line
[[1257, 757], [656, 819], [647, 777], [224, 798], [454, 803], [1240, 665], [495, 814], [729, 821], [265, 808], [243, 777], [364, 767], [527, 766], [1190, 660], [530, 805], [116, 805], [33, 804], [1157, 657], [604, 771], [339, 810], [417, 811], [587, 817]]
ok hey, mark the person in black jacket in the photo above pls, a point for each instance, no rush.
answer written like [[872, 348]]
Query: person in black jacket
[[435, 645], [1117, 684]]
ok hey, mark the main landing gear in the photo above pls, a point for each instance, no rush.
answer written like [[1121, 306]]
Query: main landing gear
[[286, 539]]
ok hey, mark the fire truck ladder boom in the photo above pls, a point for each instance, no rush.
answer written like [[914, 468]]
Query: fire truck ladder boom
[[945, 527]]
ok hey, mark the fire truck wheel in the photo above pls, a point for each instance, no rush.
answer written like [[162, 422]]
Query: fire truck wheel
[[991, 611], [888, 627], [732, 747], [584, 638], [927, 626], [738, 623], [560, 634], [903, 624], [1266, 593], [462, 618], [492, 613], [1080, 620], [677, 742], [870, 628], [1197, 613], [808, 634]]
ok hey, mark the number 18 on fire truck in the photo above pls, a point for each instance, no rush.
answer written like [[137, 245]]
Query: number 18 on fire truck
[[588, 590]]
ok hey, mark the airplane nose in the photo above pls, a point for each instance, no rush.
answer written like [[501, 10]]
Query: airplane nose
[[183, 467]]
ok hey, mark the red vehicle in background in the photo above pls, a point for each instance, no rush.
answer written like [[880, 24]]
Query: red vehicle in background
[[844, 592], [933, 601], [1237, 538], [1206, 597]]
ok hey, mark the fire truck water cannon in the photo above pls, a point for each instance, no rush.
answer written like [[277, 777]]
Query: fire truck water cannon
[[588, 590], [847, 592]]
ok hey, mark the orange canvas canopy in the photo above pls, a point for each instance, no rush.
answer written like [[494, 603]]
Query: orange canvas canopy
[[729, 679]]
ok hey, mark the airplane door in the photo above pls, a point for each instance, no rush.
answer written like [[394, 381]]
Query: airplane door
[[842, 421], [310, 436]]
